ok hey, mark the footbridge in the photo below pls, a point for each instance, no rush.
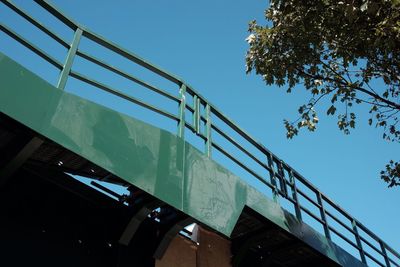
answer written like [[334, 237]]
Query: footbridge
[[106, 165]]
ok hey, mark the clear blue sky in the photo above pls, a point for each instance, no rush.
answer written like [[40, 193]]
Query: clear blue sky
[[204, 43]]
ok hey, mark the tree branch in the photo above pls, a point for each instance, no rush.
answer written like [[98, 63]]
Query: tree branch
[[357, 88]]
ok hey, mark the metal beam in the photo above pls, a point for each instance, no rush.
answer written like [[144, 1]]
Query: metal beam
[[15, 163], [57, 177]]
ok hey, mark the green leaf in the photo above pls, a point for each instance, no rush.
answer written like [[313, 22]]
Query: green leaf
[[386, 94], [331, 110], [335, 49], [364, 6], [334, 98]]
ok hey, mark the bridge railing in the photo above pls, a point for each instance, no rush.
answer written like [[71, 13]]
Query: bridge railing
[[207, 122]]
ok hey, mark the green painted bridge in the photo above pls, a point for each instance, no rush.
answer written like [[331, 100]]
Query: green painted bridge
[[49, 136]]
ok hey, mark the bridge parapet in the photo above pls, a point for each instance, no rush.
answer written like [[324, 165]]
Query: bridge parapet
[[223, 140]]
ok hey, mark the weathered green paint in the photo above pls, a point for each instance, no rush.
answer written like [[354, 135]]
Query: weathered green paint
[[182, 108], [196, 114], [208, 131], [69, 60], [273, 178], [152, 159]]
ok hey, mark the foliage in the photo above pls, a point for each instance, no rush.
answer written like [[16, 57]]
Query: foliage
[[345, 52]]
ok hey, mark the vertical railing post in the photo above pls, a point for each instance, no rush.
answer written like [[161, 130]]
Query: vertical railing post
[[294, 196], [358, 240], [62, 81], [208, 130], [387, 261], [282, 179], [273, 178], [323, 215], [196, 114], [182, 108]]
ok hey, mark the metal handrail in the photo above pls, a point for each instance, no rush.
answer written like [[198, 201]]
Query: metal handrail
[[283, 177]]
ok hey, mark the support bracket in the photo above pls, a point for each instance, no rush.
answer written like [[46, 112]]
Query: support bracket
[[170, 235], [136, 221], [19, 159]]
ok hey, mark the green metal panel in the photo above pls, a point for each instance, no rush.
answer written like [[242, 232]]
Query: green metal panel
[[152, 159], [141, 154], [212, 195]]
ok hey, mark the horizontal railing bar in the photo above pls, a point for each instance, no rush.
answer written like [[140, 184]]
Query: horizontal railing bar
[[308, 198], [131, 56], [376, 238], [309, 185], [241, 132], [312, 214], [249, 138], [277, 161], [303, 180], [336, 207], [278, 175], [236, 144], [339, 209], [391, 250], [290, 199], [230, 123], [244, 134], [108, 44], [203, 119], [120, 94], [31, 47], [52, 10], [340, 222], [260, 178], [30, 19], [190, 108], [343, 237], [372, 246], [189, 126], [374, 259], [236, 128], [392, 261], [360, 225], [125, 75], [352, 231]]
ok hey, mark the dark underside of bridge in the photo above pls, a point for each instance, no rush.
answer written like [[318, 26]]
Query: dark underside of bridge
[[48, 218]]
